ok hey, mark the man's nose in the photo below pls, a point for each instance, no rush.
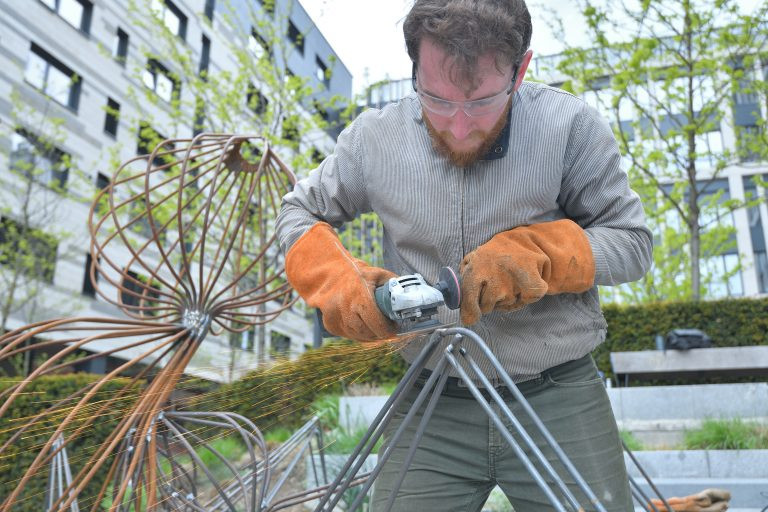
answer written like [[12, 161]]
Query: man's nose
[[460, 125]]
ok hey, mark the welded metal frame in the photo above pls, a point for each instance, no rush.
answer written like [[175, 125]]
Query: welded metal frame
[[560, 497]]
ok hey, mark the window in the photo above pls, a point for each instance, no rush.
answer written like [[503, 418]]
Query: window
[[120, 50], [52, 77], [257, 102], [38, 160], [709, 147], [756, 233], [321, 72], [316, 156], [149, 138], [205, 56], [321, 110], [199, 124], [112, 117], [280, 344], [749, 142], [75, 12], [243, 340], [258, 45], [27, 250], [89, 287], [268, 6], [157, 78], [142, 296], [102, 182], [171, 16], [210, 7], [294, 35]]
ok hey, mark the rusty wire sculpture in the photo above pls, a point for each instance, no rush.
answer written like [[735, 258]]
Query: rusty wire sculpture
[[182, 241]]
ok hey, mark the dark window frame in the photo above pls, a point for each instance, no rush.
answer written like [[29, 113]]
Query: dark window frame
[[209, 9], [56, 156], [112, 117], [121, 48], [155, 68], [89, 287], [85, 17], [258, 105], [75, 83], [296, 37], [205, 55], [321, 72]]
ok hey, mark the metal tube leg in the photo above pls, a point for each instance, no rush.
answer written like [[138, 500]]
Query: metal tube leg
[[400, 430], [505, 433], [417, 438], [377, 426], [532, 414], [521, 431]]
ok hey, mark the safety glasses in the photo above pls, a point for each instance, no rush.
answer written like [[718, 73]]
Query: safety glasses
[[472, 108]]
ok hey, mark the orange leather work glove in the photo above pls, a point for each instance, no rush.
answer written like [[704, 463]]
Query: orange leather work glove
[[328, 278], [708, 500], [520, 266]]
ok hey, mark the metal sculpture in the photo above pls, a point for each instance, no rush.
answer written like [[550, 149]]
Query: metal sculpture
[[182, 241], [457, 355]]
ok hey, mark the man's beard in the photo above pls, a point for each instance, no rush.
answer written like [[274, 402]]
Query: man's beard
[[466, 158]]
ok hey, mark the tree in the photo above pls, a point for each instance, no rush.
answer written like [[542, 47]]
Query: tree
[[668, 75], [33, 186]]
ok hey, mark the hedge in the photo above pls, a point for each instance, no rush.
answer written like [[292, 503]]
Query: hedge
[[40, 394], [730, 323]]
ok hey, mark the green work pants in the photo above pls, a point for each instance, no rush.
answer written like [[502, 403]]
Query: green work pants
[[463, 456]]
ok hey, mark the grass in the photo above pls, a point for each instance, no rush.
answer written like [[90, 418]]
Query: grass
[[278, 435], [732, 434], [338, 440], [631, 441]]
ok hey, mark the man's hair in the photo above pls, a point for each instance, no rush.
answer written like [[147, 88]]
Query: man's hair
[[467, 29]]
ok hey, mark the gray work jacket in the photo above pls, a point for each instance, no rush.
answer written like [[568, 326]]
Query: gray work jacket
[[556, 159]]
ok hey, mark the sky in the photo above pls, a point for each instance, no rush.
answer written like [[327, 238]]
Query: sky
[[368, 34]]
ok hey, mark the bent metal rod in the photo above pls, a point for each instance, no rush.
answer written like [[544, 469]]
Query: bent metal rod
[[556, 491]]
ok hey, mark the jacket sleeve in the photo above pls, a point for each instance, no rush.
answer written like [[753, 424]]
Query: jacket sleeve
[[334, 192], [595, 194]]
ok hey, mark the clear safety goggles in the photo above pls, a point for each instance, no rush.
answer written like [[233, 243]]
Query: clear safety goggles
[[473, 108]]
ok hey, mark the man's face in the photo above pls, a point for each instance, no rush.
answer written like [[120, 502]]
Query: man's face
[[461, 137]]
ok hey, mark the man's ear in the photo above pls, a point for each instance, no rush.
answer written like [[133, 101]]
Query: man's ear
[[523, 68]]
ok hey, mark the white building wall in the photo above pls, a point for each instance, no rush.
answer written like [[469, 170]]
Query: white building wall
[[89, 55]]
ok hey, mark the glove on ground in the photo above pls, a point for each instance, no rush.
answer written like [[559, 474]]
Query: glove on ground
[[708, 500], [327, 277], [520, 266]]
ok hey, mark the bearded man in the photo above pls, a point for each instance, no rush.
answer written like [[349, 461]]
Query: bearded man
[[520, 187]]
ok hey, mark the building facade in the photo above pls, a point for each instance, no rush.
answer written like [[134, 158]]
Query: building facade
[[69, 75]]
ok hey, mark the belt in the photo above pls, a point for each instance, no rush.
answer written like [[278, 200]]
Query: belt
[[457, 388]]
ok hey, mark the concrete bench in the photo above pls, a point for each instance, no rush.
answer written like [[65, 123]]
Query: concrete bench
[[690, 364]]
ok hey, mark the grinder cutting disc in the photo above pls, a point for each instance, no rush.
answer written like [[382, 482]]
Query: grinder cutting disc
[[448, 284]]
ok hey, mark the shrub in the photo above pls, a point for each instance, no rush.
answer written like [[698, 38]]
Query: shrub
[[19, 455]]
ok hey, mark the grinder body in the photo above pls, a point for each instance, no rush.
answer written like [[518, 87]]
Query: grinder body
[[411, 302]]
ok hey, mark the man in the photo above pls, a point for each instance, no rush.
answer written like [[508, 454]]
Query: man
[[519, 186]]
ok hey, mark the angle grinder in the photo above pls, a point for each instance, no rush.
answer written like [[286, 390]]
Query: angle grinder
[[412, 303]]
